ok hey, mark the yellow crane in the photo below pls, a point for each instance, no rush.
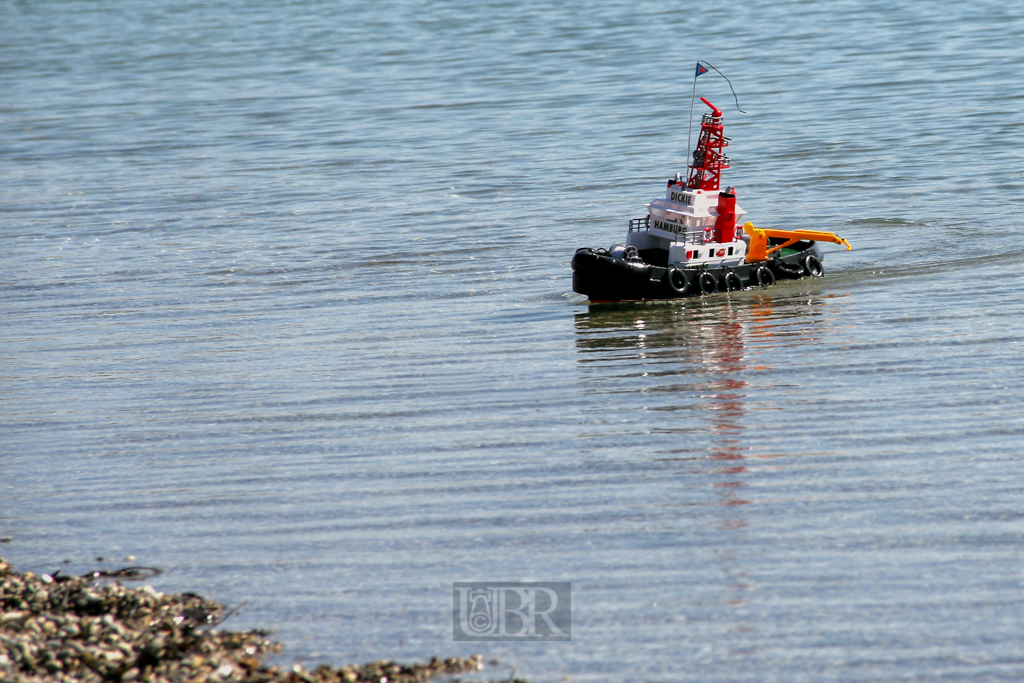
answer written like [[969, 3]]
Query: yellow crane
[[759, 250]]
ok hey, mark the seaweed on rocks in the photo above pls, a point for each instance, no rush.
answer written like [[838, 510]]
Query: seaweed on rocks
[[92, 629]]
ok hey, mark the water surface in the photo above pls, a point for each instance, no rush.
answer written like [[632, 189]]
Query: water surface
[[287, 311]]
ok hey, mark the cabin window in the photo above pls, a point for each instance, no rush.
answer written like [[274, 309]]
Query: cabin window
[[696, 254], [730, 251]]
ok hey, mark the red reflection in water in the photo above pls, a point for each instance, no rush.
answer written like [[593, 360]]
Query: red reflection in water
[[706, 349]]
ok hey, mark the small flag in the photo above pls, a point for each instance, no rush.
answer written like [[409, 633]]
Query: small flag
[[701, 69]]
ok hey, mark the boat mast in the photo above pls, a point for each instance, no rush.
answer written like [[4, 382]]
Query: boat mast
[[708, 159], [689, 124]]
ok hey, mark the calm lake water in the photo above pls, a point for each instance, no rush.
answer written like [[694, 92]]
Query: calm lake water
[[287, 311]]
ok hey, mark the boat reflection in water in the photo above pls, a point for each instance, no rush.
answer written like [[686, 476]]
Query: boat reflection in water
[[710, 386], [715, 377]]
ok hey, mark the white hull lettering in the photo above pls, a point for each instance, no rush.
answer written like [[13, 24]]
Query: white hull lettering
[[681, 197]]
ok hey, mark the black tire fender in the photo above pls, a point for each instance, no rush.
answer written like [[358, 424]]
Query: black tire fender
[[764, 277], [789, 270], [708, 283], [813, 267], [731, 281], [676, 281]]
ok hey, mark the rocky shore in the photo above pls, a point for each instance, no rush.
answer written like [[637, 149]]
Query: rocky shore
[[92, 628]]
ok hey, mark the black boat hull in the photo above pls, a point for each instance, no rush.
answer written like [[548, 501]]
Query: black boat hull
[[602, 277]]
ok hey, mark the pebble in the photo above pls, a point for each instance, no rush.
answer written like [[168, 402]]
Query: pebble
[[90, 629]]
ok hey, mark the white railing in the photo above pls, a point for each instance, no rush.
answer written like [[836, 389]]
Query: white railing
[[688, 237]]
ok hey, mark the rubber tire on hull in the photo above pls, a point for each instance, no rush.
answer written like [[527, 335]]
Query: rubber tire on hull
[[676, 281], [764, 277], [732, 282], [787, 269], [708, 283], [813, 267]]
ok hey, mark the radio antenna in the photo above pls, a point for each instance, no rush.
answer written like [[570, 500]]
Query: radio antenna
[[702, 68]]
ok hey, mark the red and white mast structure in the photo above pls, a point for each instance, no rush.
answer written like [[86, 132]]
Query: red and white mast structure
[[708, 158]]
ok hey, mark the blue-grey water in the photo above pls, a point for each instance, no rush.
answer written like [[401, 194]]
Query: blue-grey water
[[287, 311]]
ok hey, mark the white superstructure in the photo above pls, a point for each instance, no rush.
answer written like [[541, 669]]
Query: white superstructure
[[683, 223]]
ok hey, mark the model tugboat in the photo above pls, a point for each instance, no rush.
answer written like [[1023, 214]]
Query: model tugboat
[[689, 244]]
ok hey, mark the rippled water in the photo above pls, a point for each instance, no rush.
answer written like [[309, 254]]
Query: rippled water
[[287, 311]]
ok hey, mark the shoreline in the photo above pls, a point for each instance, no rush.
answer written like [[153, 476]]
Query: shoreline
[[92, 628]]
